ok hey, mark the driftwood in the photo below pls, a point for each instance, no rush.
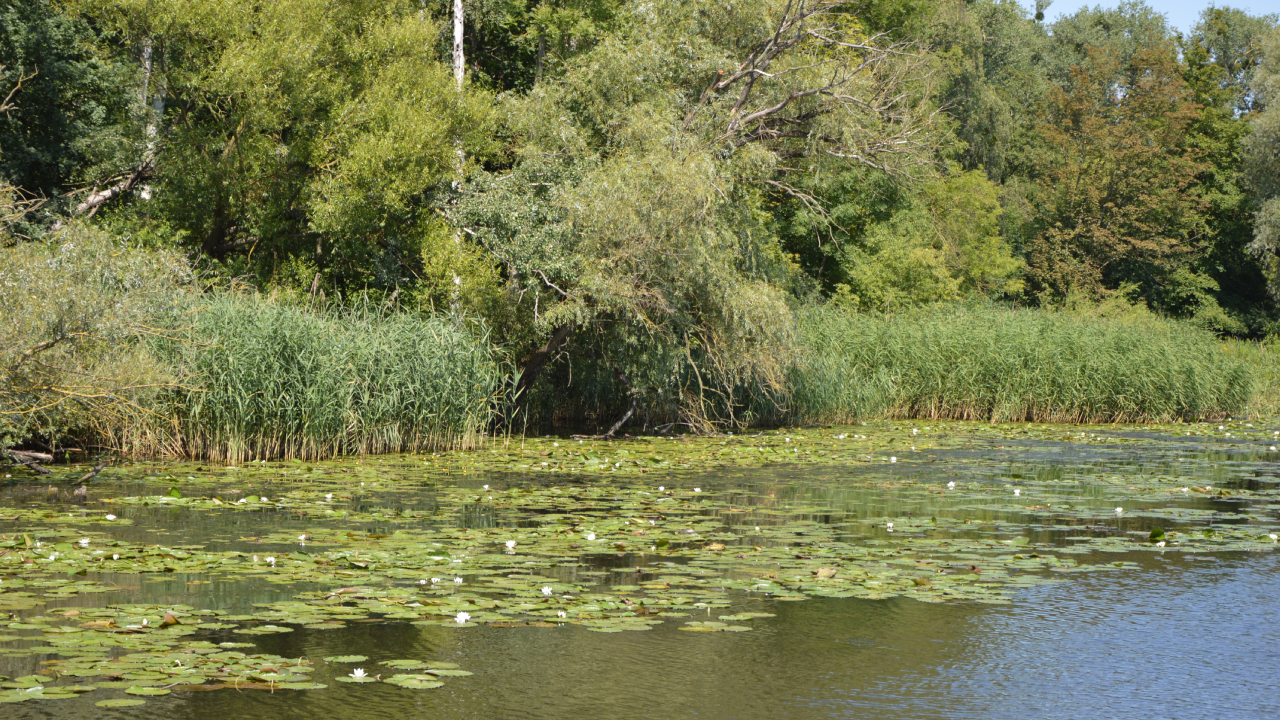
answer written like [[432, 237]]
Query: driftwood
[[30, 459], [91, 474]]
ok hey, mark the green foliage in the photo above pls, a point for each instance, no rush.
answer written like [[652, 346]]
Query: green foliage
[[73, 313], [987, 363], [70, 121], [946, 244], [270, 379]]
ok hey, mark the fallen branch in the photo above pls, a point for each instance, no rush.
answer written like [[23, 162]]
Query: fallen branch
[[91, 474], [31, 460]]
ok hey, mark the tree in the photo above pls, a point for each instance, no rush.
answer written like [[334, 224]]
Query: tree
[[632, 221], [1119, 200], [1263, 160]]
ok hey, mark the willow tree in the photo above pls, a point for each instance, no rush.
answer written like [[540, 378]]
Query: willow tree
[[631, 224]]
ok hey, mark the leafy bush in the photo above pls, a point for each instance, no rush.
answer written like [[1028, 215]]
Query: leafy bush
[[72, 314]]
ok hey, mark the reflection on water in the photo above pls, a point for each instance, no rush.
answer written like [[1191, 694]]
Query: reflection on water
[[1185, 637]]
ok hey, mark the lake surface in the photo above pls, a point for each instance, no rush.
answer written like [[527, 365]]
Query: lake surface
[[1190, 629]]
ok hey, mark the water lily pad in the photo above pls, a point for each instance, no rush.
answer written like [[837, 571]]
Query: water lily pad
[[346, 659], [415, 682], [120, 702], [147, 691]]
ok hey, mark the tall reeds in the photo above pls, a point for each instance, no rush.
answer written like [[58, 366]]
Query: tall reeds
[[999, 364], [263, 379]]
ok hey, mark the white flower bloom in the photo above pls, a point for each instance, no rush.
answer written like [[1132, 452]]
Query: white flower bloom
[[1160, 544], [1017, 492], [511, 544], [697, 489], [358, 673], [591, 536], [328, 496], [893, 459], [84, 542], [562, 613], [457, 580], [271, 561], [951, 485], [1119, 511], [889, 526], [546, 591], [661, 488], [486, 487], [111, 517], [462, 617], [1273, 536], [422, 582], [115, 557]]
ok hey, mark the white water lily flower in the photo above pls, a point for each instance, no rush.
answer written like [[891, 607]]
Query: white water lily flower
[[302, 537], [511, 544], [591, 536], [1273, 448], [889, 526], [84, 542], [562, 614], [893, 459], [1119, 511], [1160, 544], [697, 489], [115, 557], [422, 582], [144, 622], [951, 485], [111, 517], [914, 431], [462, 617], [328, 496], [358, 673], [457, 580], [486, 487], [1208, 487], [1017, 492], [661, 488], [271, 561], [242, 501], [546, 591], [435, 580], [1274, 537], [1186, 490]]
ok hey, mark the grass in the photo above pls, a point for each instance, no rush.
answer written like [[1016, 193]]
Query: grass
[[264, 379], [1002, 365]]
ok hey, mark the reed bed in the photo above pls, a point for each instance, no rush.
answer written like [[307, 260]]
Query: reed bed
[[999, 365], [263, 380]]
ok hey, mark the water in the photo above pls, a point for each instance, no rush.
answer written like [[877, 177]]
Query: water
[[1181, 635]]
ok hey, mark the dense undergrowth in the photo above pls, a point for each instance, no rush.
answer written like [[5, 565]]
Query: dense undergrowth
[[111, 364]]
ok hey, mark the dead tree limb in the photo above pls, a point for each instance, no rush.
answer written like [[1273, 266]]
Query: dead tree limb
[[31, 460]]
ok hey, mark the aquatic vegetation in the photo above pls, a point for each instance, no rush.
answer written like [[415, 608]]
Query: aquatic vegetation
[[605, 537], [1003, 365], [271, 380]]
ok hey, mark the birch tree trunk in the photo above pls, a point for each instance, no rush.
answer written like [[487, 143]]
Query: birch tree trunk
[[459, 57]]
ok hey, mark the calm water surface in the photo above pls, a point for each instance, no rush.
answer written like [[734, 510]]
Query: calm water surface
[[1184, 637]]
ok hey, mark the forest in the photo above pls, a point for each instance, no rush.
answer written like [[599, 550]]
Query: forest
[[306, 228]]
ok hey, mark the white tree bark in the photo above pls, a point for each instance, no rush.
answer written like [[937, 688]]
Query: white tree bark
[[459, 57]]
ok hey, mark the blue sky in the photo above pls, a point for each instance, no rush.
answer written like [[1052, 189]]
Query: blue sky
[[1182, 14]]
